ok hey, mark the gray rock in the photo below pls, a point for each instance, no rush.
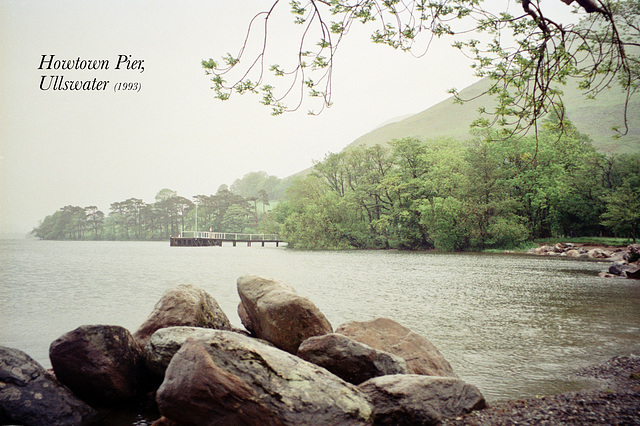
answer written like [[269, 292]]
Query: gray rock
[[186, 305], [30, 396], [387, 335], [274, 311], [350, 360], [621, 268], [294, 390], [419, 400], [196, 391], [101, 364], [634, 274], [165, 342]]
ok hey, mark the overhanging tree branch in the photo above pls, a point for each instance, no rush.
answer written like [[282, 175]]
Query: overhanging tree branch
[[527, 73]]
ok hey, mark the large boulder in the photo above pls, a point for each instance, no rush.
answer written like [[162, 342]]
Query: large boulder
[[621, 268], [196, 391], [387, 335], [102, 364], [165, 342], [186, 305], [419, 400], [30, 396], [274, 311], [294, 391], [350, 360], [634, 274]]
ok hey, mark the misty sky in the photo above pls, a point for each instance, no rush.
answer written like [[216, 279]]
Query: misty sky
[[94, 148]]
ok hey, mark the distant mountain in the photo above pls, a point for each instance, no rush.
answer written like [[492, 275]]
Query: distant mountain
[[592, 117]]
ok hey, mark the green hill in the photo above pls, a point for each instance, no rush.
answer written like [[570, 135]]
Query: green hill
[[592, 117]]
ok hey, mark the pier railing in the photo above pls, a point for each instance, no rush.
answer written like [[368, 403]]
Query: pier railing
[[230, 236]]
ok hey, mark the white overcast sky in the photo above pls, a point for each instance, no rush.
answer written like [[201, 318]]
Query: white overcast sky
[[94, 148]]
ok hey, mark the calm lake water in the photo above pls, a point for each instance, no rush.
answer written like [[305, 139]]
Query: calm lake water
[[514, 325]]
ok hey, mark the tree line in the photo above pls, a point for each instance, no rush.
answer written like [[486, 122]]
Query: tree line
[[231, 209], [410, 194], [453, 195]]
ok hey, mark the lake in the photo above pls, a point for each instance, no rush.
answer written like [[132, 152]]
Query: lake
[[514, 325]]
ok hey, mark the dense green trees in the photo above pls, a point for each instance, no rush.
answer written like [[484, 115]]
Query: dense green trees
[[473, 196], [170, 214], [68, 223], [411, 194], [622, 209]]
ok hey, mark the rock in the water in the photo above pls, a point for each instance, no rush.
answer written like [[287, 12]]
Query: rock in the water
[[29, 396], [621, 268], [350, 360], [186, 305], [635, 274], [102, 364], [294, 391], [274, 311], [419, 400], [604, 274], [387, 335], [196, 391]]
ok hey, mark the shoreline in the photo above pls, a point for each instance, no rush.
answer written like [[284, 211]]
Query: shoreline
[[614, 401]]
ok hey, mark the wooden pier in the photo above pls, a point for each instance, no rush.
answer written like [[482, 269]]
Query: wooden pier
[[209, 239]]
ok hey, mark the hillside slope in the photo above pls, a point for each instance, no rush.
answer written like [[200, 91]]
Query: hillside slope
[[593, 117]]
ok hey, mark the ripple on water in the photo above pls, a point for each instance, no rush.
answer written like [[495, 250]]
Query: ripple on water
[[515, 326]]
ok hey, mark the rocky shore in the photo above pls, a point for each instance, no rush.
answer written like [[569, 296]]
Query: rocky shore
[[624, 261], [288, 366], [616, 401], [191, 366]]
